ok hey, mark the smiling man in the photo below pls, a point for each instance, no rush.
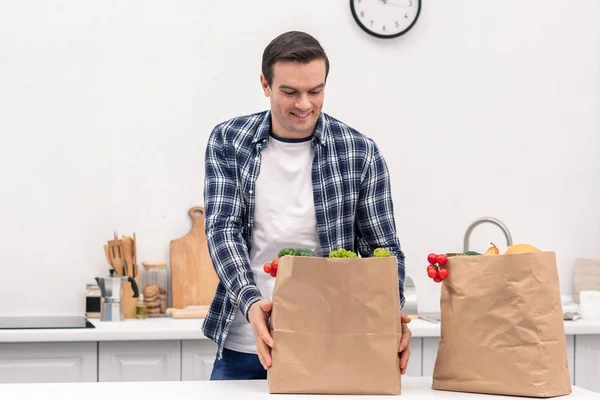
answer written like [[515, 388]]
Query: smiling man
[[291, 176]]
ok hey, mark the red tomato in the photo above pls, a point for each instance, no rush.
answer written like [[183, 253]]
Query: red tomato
[[437, 280], [432, 258], [432, 271], [274, 273], [275, 263], [267, 268], [443, 273], [442, 259]]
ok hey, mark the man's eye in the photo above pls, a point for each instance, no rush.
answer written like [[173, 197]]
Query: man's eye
[[315, 93], [289, 93]]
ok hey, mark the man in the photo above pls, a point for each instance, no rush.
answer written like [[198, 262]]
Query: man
[[288, 177]]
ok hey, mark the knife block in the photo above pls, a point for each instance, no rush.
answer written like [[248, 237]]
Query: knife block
[[128, 302]]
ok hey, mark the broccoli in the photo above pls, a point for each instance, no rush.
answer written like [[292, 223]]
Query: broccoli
[[381, 253], [305, 253], [296, 252], [342, 253]]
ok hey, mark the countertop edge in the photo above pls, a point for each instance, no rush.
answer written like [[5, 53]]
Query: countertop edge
[[169, 329]]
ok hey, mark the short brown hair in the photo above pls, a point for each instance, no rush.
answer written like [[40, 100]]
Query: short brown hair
[[292, 46]]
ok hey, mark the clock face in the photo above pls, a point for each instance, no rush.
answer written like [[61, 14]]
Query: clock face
[[385, 18]]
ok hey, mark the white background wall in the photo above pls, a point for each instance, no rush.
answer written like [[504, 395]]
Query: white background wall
[[486, 108]]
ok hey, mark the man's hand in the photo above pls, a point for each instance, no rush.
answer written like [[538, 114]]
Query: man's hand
[[404, 349], [258, 315]]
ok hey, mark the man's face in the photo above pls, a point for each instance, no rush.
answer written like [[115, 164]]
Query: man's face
[[296, 95]]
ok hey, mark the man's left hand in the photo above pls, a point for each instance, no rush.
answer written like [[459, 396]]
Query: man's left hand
[[404, 349]]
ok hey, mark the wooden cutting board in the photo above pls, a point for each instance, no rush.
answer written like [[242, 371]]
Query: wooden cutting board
[[193, 278]]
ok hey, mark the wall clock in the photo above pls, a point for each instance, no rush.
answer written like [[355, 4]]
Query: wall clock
[[385, 19]]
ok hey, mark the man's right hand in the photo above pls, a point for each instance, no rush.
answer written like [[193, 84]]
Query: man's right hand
[[258, 315]]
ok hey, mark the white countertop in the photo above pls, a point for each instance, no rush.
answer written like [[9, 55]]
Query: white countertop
[[412, 388], [186, 329]]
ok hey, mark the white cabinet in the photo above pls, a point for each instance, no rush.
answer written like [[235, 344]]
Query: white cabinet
[[197, 359], [152, 360], [48, 362], [587, 362], [571, 356], [430, 348], [415, 361]]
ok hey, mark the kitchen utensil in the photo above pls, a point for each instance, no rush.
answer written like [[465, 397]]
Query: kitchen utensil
[[115, 251], [128, 255], [111, 289], [129, 269], [193, 278], [190, 312], [136, 270], [125, 269]]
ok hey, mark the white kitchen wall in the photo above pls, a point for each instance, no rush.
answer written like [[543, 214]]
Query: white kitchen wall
[[485, 108]]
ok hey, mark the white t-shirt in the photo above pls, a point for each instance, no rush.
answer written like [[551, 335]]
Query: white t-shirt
[[284, 216]]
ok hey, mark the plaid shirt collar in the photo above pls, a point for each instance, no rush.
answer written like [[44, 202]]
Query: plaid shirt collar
[[264, 129]]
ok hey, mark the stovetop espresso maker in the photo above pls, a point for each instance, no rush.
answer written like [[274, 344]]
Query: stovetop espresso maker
[[111, 290]]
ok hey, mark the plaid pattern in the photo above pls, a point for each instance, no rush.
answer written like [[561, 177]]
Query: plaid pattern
[[352, 194]]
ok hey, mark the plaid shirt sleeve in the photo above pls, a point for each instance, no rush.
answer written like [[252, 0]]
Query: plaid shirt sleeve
[[375, 214], [223, 216]]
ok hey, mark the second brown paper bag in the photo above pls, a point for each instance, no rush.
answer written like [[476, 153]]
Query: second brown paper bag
[[502, 329], [336, 326]]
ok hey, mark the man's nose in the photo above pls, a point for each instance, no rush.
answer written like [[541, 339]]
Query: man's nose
[[303, 103]]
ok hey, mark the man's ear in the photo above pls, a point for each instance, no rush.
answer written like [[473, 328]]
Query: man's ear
[[265, 85]]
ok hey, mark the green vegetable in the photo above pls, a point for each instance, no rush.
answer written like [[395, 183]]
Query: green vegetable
[[342, 253], [381, 253], [471, 253], [296, 252]]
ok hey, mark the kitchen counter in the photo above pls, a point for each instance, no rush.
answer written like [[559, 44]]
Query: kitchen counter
[[412, 388], [191, 329]]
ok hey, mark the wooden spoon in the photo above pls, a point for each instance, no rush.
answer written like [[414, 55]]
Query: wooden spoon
[[128, 255]]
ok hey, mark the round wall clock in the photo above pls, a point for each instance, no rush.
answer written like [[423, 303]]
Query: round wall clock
[[385, 19]]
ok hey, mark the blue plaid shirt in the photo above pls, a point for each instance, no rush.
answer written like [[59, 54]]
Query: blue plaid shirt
[[352, 195]]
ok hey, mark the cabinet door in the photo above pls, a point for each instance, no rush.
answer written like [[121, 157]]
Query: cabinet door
[[587, 362], [571, 356], [48, 362], [430, 349], [152, 360], [197, 359]]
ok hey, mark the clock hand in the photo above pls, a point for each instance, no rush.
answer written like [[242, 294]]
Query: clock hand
[[395, 5], [392, 4]]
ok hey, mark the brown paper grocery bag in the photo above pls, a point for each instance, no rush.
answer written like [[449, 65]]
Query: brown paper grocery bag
[[336, 326], [502, 329]]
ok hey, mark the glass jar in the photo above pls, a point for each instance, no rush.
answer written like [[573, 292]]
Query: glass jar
[[140, 308], [155, 288], [93, 300]]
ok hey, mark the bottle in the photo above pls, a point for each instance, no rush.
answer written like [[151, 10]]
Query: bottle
[[141, 309]]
